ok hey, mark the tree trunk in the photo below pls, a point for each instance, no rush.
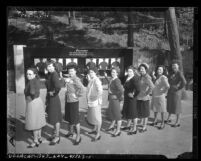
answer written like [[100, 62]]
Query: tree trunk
[[173, 36], [130, 42]]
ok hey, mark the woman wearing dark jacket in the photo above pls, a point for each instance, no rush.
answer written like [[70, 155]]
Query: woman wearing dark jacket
[[115, 96], [129, 108], [53, 104], [177, 83], [35, 111]]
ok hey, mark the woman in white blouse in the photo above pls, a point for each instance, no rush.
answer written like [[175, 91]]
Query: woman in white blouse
[[94, 100]]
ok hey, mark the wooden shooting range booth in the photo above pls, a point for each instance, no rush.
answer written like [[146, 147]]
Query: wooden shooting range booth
[[80, 56]]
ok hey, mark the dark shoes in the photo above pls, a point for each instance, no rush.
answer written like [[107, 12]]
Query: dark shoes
[[154, 123], [55, 142], [77, 142], [96, 138], [110, 129], [92, 132], [117, 134], [167, 121], [176, 125], [34, 144], [143, 130], [69, 134], [126, 128], [132, 132], [40, 140], [161, 127]]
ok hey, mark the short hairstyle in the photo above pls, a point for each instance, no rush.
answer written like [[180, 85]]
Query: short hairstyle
[[72, 66], [131, 67], [143, 65], [117, 69], [34, 70], [93, 69], [49, 62], [164, 69]]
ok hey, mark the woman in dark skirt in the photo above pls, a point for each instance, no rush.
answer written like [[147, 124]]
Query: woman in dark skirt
[[177, 83], [53, 104], [115, 96], [129, 107], [143, 99], [75, 89]]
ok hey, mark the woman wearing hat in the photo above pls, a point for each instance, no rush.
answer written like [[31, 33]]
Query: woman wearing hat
[[115, 97], [129, 107], [143, 98], [94, 100], [177, 83], [35, 111]]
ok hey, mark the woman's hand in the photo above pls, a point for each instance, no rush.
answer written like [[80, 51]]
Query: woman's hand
[[51, 93], [130, 95], [113, 97]]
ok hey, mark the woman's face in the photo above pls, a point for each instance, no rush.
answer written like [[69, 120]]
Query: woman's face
[[114, 73], [92, 74], [160, 71], [51, 68], [72, 72], [142, 70], [175, 67], [130, 73], [30, 75]]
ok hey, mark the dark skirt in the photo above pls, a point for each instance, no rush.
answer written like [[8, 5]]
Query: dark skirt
[[53, 110], [143, 108], [72, 112], [129, 109], [114, 109], [174, 102]]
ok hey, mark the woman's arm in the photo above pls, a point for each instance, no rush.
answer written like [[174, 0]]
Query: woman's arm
[[182, 80], [166, 85], [150, 85], [57, 85], [99, 88], [79, 87]]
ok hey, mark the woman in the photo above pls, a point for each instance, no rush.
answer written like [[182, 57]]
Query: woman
[[143, 98], [35, 111], [53, 107], [177, 83], [75, 90], [129, 107], [159, 92], [94, 99], [115, 96]]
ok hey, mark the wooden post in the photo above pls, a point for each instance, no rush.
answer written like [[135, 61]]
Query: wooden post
[[173, 36], [130, 41]]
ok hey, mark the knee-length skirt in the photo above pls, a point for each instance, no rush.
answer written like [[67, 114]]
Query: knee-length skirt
[[158, 104], [94, 115], [143, 108], [53, 110], [174, 102], [114, 109], [72, 112], [129, 110], [35, 114]]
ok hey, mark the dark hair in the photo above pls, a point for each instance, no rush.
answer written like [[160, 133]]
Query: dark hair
[[117, 69], [93, 69], [35, 71], [72, 66], [164, 70], [49, 62], [143, 65], [131, 67]]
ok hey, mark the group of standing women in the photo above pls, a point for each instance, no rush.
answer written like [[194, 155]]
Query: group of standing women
[[134, 93]]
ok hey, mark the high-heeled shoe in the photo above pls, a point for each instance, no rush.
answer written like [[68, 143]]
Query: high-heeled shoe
[[126, 128], [176, 125], [55, 142], [92, 132], [154, 123], [161, 127], [167, 121], [96, 139], [118, 134], [143, 130], [69, 134], [34, 144], [110, 129], [40, 140], [77, 142], [133, 132]]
